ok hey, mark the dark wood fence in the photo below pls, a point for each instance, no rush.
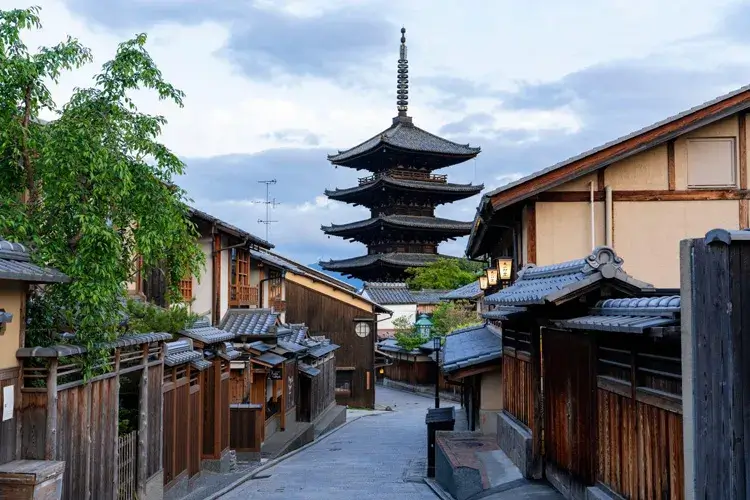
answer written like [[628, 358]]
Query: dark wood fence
[[8, 449], [246, 423], [518, 393], [322, 390], [176, 423]]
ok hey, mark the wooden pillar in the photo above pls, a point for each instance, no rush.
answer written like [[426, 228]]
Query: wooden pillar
[[716, 312], [538, 423], [50, 443], [143, 428], [116, 444], [216, 451], [283, 396]]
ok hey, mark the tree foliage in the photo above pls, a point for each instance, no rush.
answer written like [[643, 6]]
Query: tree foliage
[[443, 274], [450, 316], [145, 318], [406, 334], [91, 189]]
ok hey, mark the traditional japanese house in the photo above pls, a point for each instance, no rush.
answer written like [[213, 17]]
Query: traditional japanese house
[[427, 300], [401, 194], [217, 348], [182, 416], [470, 294], [414, 366], [472, 356], [17, 272], [582, 429], [397, 298], [675, 179]]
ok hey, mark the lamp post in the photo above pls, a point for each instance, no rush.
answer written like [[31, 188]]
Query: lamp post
[[436, 346]]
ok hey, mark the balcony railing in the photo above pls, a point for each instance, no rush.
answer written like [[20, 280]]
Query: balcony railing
[[405, 174], [243, 296]]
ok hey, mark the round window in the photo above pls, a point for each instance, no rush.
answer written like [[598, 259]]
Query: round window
[[362, 329]]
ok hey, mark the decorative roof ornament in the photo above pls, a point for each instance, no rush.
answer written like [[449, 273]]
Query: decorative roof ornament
[[402, 94]]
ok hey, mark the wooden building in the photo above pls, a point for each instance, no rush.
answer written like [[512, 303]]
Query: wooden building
[[472, 357], [414, 367], [182, 417], [217, 349], [605, 349], [672, 180], [401, 193]]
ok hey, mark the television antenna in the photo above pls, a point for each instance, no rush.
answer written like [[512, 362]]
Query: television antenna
[[269, 203]]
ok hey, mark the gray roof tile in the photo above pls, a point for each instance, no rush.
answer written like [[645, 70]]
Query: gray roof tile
[[16, 265], [547, 284], [269, 358], [440, 187], [390, 345], [207, 334], [201, 364], [228, 352], [308, 370], [428, 296], [406, 136], [260, 346], [389, 293], [276, 261], [466, 292], [471, 346], [632, 315], [322, 349], [396, 259], [403, 221], [251, 322], [59, 351]]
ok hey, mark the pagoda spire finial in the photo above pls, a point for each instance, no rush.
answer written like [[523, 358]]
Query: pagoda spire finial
[[402, 94]]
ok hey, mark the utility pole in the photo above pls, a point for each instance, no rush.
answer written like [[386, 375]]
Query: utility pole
[[270, 203]]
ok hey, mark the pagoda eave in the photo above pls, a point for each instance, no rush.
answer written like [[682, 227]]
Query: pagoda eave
[[383, 266], [440, 192], [446, 228], [383, 156]]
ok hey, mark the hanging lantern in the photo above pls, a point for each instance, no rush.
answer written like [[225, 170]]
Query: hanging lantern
[[504, 268], [483, 282], [492, 276]]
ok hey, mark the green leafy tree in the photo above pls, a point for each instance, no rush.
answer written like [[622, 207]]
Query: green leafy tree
[[406, 334], [144, 318], [92, 189], [450, 316], [443, 274]]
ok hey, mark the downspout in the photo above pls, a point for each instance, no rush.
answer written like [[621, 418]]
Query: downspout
[[593, 222], [609, 217]]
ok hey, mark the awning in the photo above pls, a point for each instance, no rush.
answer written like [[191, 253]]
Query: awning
[[268, 359]]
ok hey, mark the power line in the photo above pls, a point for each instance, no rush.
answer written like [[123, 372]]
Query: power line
[[270, 203]]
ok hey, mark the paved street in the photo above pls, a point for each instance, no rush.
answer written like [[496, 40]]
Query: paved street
[[369, 458]]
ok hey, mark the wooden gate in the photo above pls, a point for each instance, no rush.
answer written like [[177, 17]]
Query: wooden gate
[[570, 409], [127, 461]]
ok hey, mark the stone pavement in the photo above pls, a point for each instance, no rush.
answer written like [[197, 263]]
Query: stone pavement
[[378, 456]]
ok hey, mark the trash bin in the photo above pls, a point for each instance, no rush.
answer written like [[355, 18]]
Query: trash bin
[[437, 419]]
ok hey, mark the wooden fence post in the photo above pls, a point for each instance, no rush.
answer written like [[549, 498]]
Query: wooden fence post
[[718, 272], [143, 428], [537, 466], [50, 442], [116, 479]]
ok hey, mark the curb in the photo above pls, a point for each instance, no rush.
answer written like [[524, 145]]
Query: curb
[[437, 489], [272, 463]]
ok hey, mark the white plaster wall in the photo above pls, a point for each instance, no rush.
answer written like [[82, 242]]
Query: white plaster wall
[[202, 303], [408, 310]]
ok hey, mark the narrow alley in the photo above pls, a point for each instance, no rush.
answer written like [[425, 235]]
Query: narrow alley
[[370, 458]]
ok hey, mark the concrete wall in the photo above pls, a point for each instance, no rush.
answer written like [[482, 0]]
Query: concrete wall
[[202, 296], [645, 233], [491, 401], [12, 295]]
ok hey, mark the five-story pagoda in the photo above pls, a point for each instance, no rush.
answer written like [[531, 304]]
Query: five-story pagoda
[[401, 193]]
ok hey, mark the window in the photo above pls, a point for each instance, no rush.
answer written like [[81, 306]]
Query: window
[[186, 289], [344, 383], [711, 162]]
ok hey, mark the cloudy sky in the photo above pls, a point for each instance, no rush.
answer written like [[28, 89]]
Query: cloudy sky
[[274, 85]]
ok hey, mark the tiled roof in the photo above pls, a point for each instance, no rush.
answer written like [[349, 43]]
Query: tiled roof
[[428, 296], [292, 347], [395, 259], [201, 364], [16, 265], [471, 346], [503, 313], [228, 352], [269, 358], [406, 136], [308, 370], [6, 317], [558, 282], [462, 190], [260, 346], [207, 334], [59, 351], [276, 261], [632, 315], [250, 322], [403, 221], [390, 345], [389, 293], [322, 349], [180, 352], [225, 226], [466, 292]]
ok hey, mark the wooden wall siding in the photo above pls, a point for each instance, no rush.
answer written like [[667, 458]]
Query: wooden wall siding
[[518, 388], [196, 425], [177, 424], [422, 373], [8, 442], [246, 424], [570, 404], [322, 389], [209, 412], [224, 409], [155, 376], [239, 386], [325, 315], [639, 429]]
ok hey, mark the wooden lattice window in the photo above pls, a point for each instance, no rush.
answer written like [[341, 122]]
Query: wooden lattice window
[[186, 289], [241, 294]]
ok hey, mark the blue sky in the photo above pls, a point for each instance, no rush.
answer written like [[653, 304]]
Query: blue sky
[[274, 86]]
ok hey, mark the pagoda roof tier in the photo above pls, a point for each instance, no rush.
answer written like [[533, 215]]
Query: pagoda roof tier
[[403, 143], [381, 266], [446, 227], [373, 187]]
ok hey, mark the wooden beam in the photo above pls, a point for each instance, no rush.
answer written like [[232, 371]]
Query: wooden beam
[[600, 181], [620, 150], [646, 195], [531, 234], [670, 165], [744, 214], [142, 472], [50, 442]]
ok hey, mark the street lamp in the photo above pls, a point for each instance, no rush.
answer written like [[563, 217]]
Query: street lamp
[[424, 326], [436, 347]]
